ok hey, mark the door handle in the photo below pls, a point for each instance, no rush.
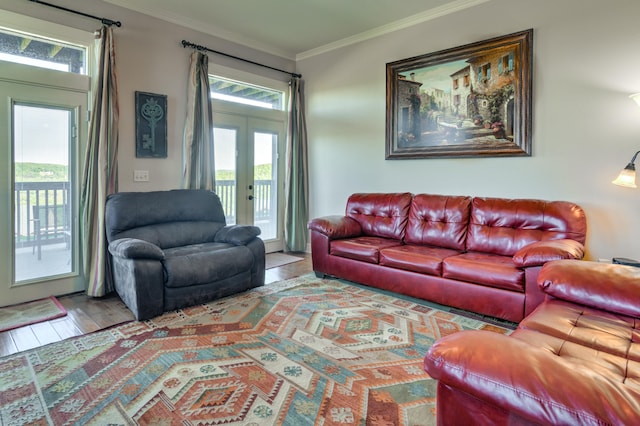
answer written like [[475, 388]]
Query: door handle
[[250, 197]]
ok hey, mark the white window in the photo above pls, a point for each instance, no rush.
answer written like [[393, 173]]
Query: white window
[[23, 48], [245, 93], [44, 90], [249, 119]]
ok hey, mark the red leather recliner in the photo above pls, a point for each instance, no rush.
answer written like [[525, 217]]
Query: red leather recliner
[[574, 361]]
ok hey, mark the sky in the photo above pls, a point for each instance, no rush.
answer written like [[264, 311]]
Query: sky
[[225, 146], [41, 135], [437, 76]]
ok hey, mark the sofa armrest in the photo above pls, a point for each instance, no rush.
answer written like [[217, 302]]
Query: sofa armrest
[[529, 381], [133, 248], [540, 252], [238, 235], [336, 227], [613, 288]]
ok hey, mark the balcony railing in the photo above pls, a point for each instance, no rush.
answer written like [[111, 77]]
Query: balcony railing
[[43, 209], [42, 212], [263, 203]]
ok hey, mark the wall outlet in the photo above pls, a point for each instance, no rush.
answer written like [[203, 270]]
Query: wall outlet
[[141, 175]]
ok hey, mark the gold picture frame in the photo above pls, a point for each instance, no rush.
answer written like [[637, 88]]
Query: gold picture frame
[[469, 101]]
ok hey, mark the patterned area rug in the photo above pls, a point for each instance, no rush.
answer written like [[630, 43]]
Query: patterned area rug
[[300, 352], [30, 313]]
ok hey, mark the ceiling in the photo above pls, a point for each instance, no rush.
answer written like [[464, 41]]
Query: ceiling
[[295, 29]]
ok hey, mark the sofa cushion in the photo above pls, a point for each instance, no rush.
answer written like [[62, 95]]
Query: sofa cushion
[[205, 263], [175, 234], [599, 341], [423, 259], [486, 269], [592, 328], [130, 210], [380, 215], [438, 220], [504, 226], [366, 249]]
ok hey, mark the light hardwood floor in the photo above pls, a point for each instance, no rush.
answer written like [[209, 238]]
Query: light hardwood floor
[[86, 315]]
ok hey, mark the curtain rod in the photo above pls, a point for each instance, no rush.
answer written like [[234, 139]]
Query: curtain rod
[[105, 21], [186, 43]]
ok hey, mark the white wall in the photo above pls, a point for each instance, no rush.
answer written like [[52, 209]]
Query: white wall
[[585, 128]]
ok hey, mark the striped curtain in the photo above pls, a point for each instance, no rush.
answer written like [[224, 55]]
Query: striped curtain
[[197, 149], [297, 177], [100, 167]]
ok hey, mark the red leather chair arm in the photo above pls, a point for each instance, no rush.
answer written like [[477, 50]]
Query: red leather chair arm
[[613, 288], [529, 381], [335, 227], [540, 252]]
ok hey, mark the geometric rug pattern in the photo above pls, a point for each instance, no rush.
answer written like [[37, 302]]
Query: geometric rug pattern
[[305, 351]]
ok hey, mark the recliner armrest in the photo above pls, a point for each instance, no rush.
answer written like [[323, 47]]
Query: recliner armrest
[[528, 380], [238, 235], [541, 252], [336, 227], [133, 248], [613, 288]]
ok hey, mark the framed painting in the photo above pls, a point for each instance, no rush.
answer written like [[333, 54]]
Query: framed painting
[[151, 125], [469, 101]]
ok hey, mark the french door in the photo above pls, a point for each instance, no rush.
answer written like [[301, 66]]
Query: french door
[[249, 173], [40, 131]]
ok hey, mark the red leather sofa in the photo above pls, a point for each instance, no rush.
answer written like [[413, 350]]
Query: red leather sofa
[[477, 254], [574, 361]]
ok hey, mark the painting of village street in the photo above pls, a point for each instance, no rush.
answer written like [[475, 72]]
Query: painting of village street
[[472, 105]]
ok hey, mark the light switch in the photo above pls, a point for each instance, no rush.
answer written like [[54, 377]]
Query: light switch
[[141, 175]]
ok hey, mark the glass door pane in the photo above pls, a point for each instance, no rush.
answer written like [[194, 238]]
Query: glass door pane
[[265, 182], [43, 231], [39, 150], [226, 174], [248, 175]]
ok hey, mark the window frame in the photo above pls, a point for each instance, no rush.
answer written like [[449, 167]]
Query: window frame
[[252, 79], [46, 81], [11, 21]]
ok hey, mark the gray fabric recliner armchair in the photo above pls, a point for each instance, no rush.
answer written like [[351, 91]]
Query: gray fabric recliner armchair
[[173, 249]]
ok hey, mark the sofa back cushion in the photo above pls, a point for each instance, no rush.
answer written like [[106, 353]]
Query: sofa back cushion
[[438, 220], [380, 215], [166, 218], [503, 226], [607, 287]]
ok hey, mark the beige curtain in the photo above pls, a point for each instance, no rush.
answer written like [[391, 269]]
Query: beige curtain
[[100, 167], [197, 149], [297, 178]]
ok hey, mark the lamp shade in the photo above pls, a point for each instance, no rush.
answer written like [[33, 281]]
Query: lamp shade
[[627, 177]]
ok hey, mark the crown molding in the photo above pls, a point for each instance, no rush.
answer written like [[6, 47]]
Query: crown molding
[[419, 18]]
